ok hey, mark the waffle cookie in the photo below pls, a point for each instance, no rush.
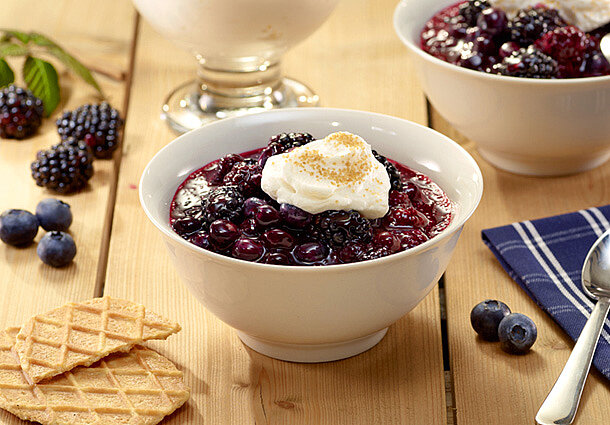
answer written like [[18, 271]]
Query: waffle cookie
[[138, 387], [79, 334]]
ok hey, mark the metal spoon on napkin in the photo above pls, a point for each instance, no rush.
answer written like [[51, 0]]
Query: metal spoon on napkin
[[560, 405]]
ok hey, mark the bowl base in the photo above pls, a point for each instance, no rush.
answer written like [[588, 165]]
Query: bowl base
[[312, 353], [187, 107], [532, 166]]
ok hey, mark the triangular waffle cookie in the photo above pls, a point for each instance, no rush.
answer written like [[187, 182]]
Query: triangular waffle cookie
[[138, 387], [79, 334]]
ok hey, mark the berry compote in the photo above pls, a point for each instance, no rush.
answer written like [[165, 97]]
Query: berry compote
[[221, 207], [535, 43]]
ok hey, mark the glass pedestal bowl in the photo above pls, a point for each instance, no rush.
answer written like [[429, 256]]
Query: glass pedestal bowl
[[238, 45]]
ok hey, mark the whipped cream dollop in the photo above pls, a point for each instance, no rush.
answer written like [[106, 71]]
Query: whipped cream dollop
[[585, 14], [338, 172]]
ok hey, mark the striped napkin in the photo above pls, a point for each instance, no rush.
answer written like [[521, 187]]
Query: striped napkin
[[545, 257]]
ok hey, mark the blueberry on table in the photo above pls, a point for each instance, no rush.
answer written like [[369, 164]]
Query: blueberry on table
[[18, 227], [56, 249], [486, 316], [54, 214], [517, 333]]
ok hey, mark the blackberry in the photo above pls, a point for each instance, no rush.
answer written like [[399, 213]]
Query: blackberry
[[283, 142], [245, 175], [528, 63], [223, 166], [338, 228], [20, 113], [532, 23], [291, 140], [65, 167], [569, 46], [97, 125], [471, 10], [395, 179], [223, 203]]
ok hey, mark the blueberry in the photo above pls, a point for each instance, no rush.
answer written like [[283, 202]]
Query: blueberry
[[251, 204], [310, 252], [266, 215], [508, 48], [223, 233], [54, 214], [56, 249], [248, 249], [18, 227], [493, 21], [294, 216], [517, 333], [486, 316]]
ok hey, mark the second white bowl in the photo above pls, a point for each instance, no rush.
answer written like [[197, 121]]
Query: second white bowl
[[526, 126]]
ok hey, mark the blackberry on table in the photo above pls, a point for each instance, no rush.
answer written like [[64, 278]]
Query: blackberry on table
[[223, 203], [471, 10], [97, 125], [395, 180], [532, 23], [338, 228], [528, 63], [20, 113], [65, 167]]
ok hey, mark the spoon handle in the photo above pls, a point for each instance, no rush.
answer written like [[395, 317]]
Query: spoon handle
[[560, 405]]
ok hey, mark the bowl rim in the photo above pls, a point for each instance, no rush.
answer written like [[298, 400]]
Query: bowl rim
[[406, 40], [230, 261]]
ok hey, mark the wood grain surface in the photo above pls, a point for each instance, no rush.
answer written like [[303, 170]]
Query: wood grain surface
[[28, 286], [400, 380], [354, 61], [490, 385]]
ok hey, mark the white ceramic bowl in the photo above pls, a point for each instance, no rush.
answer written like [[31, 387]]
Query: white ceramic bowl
[[526, 126], [312, 314]]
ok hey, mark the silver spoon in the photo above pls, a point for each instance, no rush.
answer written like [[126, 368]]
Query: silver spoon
[[604, 44], [560, 405]]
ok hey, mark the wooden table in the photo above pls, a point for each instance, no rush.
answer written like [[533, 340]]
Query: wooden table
[[430, 368]]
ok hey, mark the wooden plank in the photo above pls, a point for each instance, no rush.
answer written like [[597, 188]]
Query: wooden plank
[[28, 286], [491, 386], [354, 61]]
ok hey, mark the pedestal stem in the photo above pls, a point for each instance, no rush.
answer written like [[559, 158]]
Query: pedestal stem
[[236, 89]]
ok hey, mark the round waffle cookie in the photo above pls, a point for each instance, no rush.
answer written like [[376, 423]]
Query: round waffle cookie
[[138, 387]]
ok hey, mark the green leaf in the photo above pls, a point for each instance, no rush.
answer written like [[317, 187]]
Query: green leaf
[[41, 40], [19, 35], [7, 76], [12, 49], [77, 67], [41, 79]]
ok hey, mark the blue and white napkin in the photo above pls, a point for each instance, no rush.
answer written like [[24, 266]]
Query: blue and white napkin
[[545, 257]]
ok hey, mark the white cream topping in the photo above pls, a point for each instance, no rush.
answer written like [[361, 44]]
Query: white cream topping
[[338, 172], [585, 14]]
